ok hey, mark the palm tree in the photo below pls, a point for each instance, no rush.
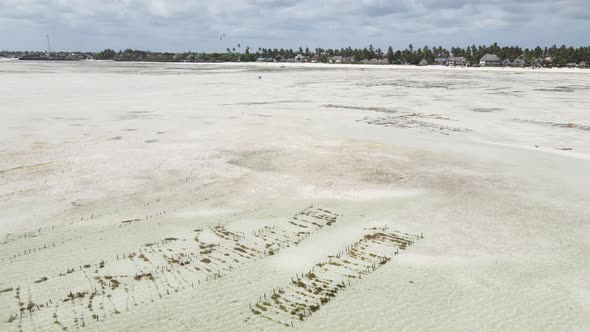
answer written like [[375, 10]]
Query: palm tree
[[389, 54]]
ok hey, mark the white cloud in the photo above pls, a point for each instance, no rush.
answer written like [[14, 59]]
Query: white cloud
[[196, 25]]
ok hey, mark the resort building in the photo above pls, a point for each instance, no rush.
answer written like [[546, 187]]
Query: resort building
[[489, 60]]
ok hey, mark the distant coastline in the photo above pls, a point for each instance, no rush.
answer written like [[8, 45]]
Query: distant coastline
[[471, 56]]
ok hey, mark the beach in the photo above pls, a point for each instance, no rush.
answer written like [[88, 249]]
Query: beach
[[305, 197]]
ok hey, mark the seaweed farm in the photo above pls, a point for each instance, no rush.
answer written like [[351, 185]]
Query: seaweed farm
[[309, 291], [162, 268]]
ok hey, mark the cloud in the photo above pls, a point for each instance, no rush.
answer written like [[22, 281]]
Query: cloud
[[190, 24]]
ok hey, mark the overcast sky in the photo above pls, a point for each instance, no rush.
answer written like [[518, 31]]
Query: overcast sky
[[181, 25]]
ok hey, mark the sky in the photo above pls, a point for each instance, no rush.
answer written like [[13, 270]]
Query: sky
[[195, 25]]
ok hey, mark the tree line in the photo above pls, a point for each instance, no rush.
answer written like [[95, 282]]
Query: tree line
[[559, 56]]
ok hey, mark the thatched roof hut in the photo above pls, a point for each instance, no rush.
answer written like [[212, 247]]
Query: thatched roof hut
[[489, 59]]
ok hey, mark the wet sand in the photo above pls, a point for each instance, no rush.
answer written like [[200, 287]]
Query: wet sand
[[199, 197]]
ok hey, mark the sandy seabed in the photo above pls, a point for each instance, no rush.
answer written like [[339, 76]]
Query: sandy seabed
[[169, 197]]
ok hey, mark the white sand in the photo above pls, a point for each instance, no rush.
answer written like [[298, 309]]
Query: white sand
[[98, 159]]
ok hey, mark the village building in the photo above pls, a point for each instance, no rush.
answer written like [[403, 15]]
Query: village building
[[489, 60], [519, 62], [423, 62], [337, 59], [301, 58], [456, 61], [440, 61], [375, 61], [538, 63]]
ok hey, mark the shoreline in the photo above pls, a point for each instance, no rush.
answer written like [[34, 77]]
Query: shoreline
[[327, 65]]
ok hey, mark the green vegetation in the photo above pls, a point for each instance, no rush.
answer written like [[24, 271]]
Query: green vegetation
[[548, 56], [560, 55]]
